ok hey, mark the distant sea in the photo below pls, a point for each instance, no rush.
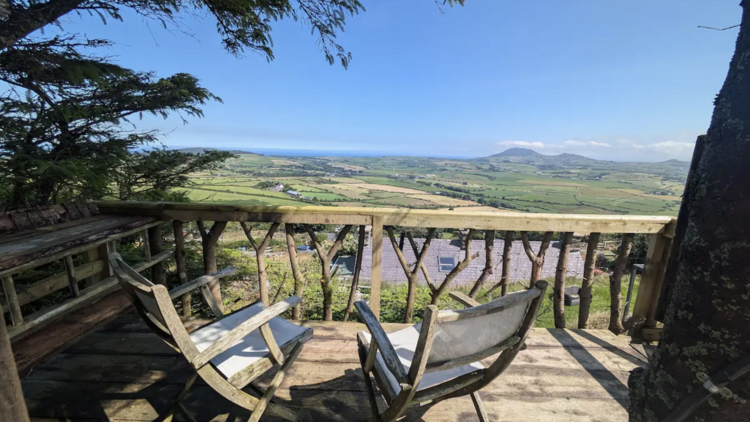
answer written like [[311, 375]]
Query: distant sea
[[313, 152], [280, 152]]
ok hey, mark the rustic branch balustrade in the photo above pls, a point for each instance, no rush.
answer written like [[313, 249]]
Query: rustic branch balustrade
[[589, 267], [659, 228], [412, 275], [457, 269], [615, 284], [489, 262], [80, 248], [260, 254], [210, 237], [537, 259], [505, 275], [326, 283]]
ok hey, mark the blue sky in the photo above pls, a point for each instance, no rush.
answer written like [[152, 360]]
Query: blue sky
[[613, 80]]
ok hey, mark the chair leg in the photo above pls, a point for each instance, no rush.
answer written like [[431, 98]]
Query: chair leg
[[370, 390], [479, 406], [275, 383], [177, 402]]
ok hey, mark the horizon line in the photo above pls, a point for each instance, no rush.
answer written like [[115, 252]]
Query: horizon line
[[315, 153]]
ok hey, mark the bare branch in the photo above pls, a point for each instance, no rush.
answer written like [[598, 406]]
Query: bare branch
[[719, 29]]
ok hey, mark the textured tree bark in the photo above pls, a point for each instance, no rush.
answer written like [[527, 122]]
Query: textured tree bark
[[12, 403], [615, 284], [707, 320], [560, 273], [682, 219], [588, 280], [209, 239], [489, 262]]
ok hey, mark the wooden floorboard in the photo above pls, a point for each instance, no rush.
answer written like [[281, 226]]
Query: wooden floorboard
[[124, 373]]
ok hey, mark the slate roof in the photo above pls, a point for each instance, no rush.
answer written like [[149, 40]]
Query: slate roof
[[520, 266]]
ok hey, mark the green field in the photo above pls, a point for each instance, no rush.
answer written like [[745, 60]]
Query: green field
[[563, 184]]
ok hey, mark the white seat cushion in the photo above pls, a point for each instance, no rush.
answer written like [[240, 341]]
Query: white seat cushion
[[405, 343], [251, 348]]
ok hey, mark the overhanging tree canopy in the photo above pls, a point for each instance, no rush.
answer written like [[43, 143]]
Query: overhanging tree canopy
[[66, 117]]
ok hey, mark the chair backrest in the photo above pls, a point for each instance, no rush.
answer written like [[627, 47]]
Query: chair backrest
[[472, 334], [141, 293]]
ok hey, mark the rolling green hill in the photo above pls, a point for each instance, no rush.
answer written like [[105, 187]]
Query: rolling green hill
[[517, 179]]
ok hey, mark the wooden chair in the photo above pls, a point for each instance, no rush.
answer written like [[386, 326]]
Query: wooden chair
[[227, 354], [441, 357]]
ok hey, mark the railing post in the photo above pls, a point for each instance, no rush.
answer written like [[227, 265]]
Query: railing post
[[560, 274], [145, 235], [179, 257], [357, 270], [158, 276], [72, 279], [377, 261], [299, 280], [589, 268], [12, 299], [650, 285], [92, 255], [12, 403], [209, 239]]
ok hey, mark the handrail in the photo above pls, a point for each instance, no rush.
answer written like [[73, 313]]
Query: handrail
[[581, 223], [659, 228]]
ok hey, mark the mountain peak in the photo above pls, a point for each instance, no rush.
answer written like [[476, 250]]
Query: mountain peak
[[518, 152]]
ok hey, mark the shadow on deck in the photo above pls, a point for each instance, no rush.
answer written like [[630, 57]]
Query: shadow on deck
[[124, 373]]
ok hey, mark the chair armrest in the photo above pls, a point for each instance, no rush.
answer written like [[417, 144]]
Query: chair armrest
[[383, 343], [463, 299], [231, 338], [201, 281]]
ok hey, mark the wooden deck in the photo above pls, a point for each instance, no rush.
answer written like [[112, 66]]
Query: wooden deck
[[124, 373]]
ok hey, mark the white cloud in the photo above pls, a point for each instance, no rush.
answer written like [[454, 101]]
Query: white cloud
[[522, 144], [573, 144], [666, 147], [561, 145]]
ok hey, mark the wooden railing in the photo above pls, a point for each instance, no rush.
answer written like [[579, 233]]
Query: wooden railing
[[382, 220], [87, 282]]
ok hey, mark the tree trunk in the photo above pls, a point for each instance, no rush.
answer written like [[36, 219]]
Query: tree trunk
[[707, 322]]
